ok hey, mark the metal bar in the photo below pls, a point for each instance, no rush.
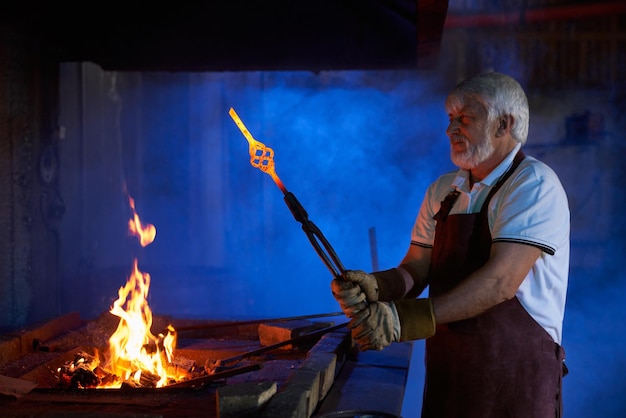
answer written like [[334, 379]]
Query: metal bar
[[201, 381], [254, 321], [373, 249], [262, 157], [314, 334], [315, 235]]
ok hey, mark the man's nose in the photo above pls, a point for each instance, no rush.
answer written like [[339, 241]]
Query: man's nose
[[452, 127]]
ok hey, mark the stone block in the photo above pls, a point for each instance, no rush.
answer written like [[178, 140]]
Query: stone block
[[337, 342], [307, 382], [244, 399], [325, 364], [21, 342], [288, 403], [48, 330], [10, 348], [277, 332]]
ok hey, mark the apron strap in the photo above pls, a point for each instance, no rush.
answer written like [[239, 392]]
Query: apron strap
[[446, 205], [519, 157]]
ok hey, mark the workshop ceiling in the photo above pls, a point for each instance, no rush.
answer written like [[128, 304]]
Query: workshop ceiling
[[236, 35]]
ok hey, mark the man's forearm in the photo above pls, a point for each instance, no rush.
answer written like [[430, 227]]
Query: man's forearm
[[469, 299]]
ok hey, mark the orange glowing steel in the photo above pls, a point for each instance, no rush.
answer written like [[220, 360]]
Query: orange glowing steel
[[134, 352], [261, 157]]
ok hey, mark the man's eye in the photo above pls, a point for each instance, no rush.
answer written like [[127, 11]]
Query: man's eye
[[463, 119]]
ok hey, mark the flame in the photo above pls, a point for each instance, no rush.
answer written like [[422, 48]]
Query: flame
[[134, 352], [146, 233]]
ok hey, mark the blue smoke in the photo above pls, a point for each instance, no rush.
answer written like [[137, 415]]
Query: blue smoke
[[358, 152]]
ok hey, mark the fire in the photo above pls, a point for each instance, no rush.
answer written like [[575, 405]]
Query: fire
[[135, 354], [146, 233]]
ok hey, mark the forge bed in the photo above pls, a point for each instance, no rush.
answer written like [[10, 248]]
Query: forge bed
[[322, 377]]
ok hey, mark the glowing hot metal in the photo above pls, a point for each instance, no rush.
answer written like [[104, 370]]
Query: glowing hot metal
[[262, 158]]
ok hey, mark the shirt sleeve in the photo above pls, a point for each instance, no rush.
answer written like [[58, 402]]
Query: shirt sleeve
[[531, 209], [423, 233]]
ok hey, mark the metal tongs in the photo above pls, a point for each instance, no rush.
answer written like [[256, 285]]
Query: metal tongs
[[262, 158], [315, 235]]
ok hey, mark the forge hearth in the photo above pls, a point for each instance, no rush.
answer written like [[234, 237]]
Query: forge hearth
[[320, 376]]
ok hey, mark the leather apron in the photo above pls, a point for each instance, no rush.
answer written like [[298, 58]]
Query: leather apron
[[499, 364]]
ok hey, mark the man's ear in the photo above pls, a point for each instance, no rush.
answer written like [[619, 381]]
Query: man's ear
[[505, 122]]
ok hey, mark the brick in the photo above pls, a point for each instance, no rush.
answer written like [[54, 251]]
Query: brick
[[9, 349], [307, 382], [325, 364], [288, 403], [276, 332], [338, 342], [19, 343], [244, 399], [49, 330]]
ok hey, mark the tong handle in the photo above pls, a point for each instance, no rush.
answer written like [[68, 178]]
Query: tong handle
[[315, 235]]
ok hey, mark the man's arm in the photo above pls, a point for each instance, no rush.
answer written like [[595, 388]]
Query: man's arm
[[495, 282], [416, 262]]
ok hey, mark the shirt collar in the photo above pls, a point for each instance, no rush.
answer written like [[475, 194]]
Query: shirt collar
[[461, 181]]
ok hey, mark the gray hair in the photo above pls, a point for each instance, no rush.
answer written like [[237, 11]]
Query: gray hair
[[500, 94]]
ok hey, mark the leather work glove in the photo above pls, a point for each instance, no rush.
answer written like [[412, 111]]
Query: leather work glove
[[384, 286], [417, 318], [382, 323], [376, 326], [350, 297], [353, 289], [367, 282]]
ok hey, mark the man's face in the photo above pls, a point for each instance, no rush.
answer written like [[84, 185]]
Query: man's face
[[470, 136]]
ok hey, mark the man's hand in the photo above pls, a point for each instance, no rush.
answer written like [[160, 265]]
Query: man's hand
[[376, 326], [381, 323], [353, 289], [367, 282], [350, 297]]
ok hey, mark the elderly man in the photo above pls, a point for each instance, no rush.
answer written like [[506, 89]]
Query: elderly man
[[491, 243]]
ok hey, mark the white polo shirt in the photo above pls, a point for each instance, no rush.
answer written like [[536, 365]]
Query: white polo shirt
[[530, 208]]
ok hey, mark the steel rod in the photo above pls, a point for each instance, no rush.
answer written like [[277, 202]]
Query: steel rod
[[201, 381], [262, 157], [314, 334], [254, 322]]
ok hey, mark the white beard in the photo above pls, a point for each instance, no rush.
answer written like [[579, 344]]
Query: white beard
[[473, 155]]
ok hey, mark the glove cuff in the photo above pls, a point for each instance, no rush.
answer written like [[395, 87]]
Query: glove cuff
[[391, 285], [417, 320]]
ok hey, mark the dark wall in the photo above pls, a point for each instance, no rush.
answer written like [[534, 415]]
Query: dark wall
[[30, 205]]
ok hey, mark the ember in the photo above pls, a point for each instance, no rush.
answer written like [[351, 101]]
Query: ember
[[84, 372]]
